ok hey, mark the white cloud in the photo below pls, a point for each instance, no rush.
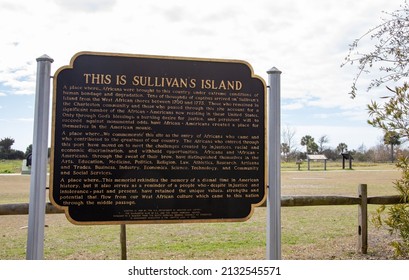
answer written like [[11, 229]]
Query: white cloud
[[25, 120], [342, 134], [293, 106], [306, 40], [86, 5]]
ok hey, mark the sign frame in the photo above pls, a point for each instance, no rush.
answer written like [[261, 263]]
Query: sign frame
[[119, 79]]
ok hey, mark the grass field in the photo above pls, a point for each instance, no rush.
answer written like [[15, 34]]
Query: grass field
[[10, 166], [312, 232]]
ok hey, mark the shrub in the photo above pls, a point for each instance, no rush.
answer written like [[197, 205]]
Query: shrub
[[397, 216]]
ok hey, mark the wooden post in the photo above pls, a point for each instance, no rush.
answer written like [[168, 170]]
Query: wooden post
[[123, 242], [363, 219], [298, 162]]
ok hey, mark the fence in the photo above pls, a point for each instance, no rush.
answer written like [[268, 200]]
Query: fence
[[362, 201], [286, 201]]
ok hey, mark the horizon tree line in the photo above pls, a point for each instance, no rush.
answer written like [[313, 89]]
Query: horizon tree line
[[385, 151]]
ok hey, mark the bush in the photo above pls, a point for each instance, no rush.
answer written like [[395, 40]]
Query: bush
[[12, 154], [397, 218]]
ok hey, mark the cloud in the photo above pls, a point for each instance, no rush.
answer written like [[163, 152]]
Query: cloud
[[174, 13], [342, 134], [25, 120], [86, 5], [293, 106], [19, 80], [306, 40], [12, 6]]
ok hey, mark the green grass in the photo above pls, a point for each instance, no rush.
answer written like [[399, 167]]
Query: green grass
[[307, 233], [10, 166], [312, 232], [335, 165], [14, 166]]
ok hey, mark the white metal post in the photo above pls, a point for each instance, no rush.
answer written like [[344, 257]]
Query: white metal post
[[274, 176], [36, 215]]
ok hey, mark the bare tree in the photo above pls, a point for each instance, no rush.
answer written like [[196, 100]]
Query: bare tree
[[389, 57], [285, 150], [288, 138], [321, 141]]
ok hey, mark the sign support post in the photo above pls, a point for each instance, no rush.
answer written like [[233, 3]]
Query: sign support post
[[123, 242], [36, 217], [274, 177]]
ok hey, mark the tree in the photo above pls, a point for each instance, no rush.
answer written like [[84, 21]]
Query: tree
[[393, 139], [390, 58], [285, 150], [323, 140], [392, 115], [309, 143], [392, 118], [331, 154], [361, 154], [29, 150], [342, 147], [389, 54], [5, 147], [288, 136], [6, 144]]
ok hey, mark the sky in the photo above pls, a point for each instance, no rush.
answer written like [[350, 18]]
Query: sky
[[305, 39]]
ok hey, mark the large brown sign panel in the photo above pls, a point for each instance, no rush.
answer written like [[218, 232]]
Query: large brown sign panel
[[149, 139]]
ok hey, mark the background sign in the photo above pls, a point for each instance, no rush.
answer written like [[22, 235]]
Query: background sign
[[157, 139]]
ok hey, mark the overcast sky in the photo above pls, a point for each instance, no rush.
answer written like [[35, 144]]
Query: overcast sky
[[306, 39]]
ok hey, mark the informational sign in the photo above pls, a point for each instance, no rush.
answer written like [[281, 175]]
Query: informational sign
[[151, 139]]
